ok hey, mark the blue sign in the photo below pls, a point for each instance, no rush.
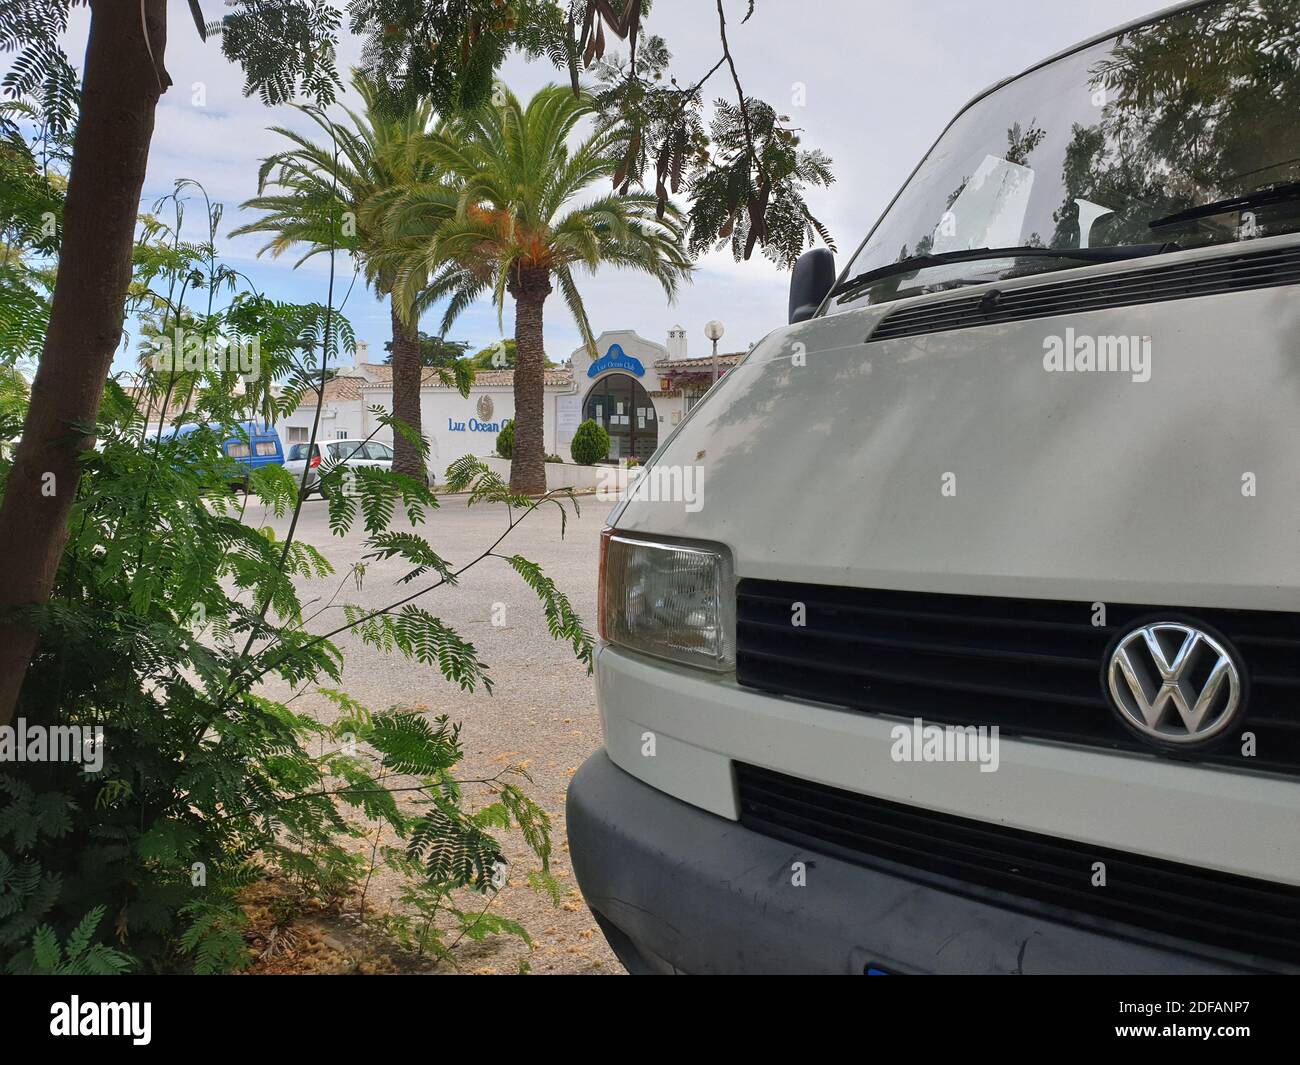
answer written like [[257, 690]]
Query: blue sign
[[616, 359]]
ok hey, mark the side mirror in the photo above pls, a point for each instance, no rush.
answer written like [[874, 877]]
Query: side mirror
[[814, 274]]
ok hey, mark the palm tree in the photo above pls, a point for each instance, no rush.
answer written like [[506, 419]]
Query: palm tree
[[503, 220], [326, 197]]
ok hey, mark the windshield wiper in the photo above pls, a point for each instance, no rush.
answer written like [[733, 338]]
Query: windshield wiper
[[920, 262], [1262, 198]]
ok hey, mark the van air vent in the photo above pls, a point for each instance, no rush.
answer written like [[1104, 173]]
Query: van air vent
[[1203, 277]]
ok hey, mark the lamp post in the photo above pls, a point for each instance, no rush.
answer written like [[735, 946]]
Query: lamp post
[[713, 330]]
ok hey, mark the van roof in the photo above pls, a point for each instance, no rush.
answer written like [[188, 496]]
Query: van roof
[[251, 428]]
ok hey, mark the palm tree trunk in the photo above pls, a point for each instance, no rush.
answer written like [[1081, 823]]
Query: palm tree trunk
[[407, 372], [528, 460], [123, 79]]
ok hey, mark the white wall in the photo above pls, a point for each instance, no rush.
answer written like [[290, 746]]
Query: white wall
[[452, 423], [560, 474], [669, 410], [343, 416]]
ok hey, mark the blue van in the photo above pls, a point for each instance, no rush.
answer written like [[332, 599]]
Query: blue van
[[252, 446]]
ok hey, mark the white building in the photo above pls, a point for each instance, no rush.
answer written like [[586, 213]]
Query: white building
[[457, 425], [342, 415], [637, 389]]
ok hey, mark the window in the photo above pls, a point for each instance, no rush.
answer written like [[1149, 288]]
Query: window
[[266, 447], [379, 451], [1108, 146], [237, 450], [340, 434], [342, 452], [298, 434]]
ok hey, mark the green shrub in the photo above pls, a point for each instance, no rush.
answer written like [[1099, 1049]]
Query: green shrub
[[590, 443], [207, 782], [170, 612], [554, 458], [506, 439]]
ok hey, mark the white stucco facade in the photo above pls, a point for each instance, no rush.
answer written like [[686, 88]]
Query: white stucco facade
[[633, 387], [457, 425], [342, 414], [616, 390]]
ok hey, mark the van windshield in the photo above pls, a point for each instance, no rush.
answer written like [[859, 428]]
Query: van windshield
[[1105, 148]]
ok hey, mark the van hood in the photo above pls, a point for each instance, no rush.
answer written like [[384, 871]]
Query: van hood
[[957, 462]]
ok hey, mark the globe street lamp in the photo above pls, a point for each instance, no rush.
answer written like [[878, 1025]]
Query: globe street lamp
[[713, 330]]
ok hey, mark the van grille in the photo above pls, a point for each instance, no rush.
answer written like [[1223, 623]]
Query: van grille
[[1032, 667], [1205, 277], [1237, 913]]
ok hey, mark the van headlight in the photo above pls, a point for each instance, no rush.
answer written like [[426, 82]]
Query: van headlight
[[673, 600]]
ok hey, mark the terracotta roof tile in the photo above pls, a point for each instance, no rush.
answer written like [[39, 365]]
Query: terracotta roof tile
[[337, 389], [558, 377], [700, 362]]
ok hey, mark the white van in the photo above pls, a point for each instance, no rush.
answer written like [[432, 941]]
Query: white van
[[978, 649]]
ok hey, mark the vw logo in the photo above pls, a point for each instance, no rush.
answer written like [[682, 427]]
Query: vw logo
[[1174, 683]]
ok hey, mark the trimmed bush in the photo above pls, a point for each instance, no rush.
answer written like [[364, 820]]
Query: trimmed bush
[[590, 444], [506, 439], [554, 458]]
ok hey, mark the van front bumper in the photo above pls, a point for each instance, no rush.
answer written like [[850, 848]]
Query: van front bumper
[[677, 889]]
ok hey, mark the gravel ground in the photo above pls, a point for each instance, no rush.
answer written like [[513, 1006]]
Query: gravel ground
[[541, 712]]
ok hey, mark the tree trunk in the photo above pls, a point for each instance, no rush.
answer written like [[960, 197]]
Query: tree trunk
[[407, 373], [528, 460], [120, 90]]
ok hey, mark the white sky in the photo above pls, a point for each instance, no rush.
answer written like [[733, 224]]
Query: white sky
[[880, 80]]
